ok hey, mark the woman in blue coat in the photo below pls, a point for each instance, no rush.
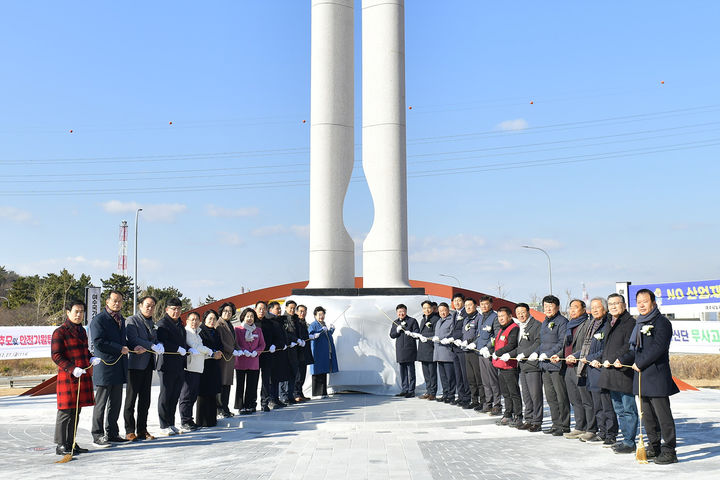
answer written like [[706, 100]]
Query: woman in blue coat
[[323, 350]]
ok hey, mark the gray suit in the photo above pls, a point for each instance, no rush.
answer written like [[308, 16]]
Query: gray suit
[[141, 332]]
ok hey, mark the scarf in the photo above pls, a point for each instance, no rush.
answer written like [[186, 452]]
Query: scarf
[[636, 340], [574, 322], [249, 329], [115, 315]]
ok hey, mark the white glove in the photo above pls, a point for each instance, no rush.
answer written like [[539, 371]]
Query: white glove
[[158, 348], [77, 372], [237, 353], [206, 350], [301, 342], [95, 361], [285, 347], [471, 346], [182, 351], [331, 326], [533, 356], [458, 343], [520, 357], [293, 344], [484, 352], [423, 339], [542, 357], [399, 329], [245, 353], [272, 348], [464, 343], [494, 357], [253, 354], [324, 329], [436, 339], [317, 335], [445, 341], [505, 357], [193, 351], [413, 334]]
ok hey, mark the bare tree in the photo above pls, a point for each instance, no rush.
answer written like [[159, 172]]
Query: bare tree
[[500, 288]]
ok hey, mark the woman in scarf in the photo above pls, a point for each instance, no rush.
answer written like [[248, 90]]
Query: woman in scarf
[[251, 343], [210, 385], [225, 331], [193, 371]]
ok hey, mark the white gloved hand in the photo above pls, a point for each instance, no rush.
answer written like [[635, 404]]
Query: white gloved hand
[[505, 357], [301, 342], [542, 357], [253, 354], [458, 343], [494, 357], [95, 361], [520, 357], [464, 343], [445, 341], [77, 372], [158, 348], [272, 348], [471, 346], [399, 329], [533, 356], [436, 339], [317, 335], [192, 351], [324, 329], [206, 350], [182, 351], [293, 344], [237, 353], [285, 347], [423, 339], [245, 353], [484, 352]]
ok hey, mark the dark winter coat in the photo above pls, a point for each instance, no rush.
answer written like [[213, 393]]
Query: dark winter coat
[[425, 350], [305, 356], [69, 349], [140, 331], [470, 327], [443, 329], [280, 361], [528, 343], [210, 381], [552, 341], [487, 329], [405, 345], [108, 339], [591, 375], [227, 337], [172, 335], [653, 360], [617, 347], [458, 317]]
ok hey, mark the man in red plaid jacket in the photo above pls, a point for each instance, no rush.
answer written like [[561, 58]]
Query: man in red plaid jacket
[[71, 354]]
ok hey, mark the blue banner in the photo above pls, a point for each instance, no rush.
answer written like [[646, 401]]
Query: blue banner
[[682, 293]]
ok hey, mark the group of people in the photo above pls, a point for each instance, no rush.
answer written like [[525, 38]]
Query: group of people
[[194, 360], [594, 364]]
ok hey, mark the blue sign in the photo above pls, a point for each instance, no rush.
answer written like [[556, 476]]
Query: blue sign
[[682, 293]]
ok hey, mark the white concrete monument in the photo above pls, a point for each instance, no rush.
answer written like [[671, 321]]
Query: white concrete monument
[[332, 143]]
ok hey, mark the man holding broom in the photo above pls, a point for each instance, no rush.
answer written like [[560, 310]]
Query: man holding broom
[[653, 380]]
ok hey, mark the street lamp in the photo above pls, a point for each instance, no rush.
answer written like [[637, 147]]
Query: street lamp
[[137, 214], [549, 264], [451, 276]]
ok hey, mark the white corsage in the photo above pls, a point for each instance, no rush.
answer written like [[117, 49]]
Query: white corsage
[[428, 324], [599, 335], [645, 330], [551, 325], [467, 327], [487, 328]]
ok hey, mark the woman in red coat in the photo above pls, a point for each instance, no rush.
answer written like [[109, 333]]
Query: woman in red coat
[[71, 354]]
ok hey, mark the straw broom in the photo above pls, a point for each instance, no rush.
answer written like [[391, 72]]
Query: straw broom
[[640, 453], [69, 456]]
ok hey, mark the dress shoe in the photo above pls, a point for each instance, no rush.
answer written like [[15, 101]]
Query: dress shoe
[[299, 399], [101, 442], [431, 397], [62, 450], [516, 422], [666, 458], [305, 399], [535, 428], [496, 411], [424, 396], [591, 437], [441, 399], [609, 442], [503, 421], [186, 427], [467, 406], [524, 426], [474, 404], [78, 450], [401, 394], [479, 408], [575, 434], [410, 395], [624, 448], [131, 437], [265, 408], [453, 401], [550, 431], [146, 436], [559, 432]]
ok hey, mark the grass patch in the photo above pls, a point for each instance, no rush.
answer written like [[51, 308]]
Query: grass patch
[[27, 366], [696, 369]]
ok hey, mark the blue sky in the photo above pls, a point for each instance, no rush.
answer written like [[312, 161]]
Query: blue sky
[[611, 170]]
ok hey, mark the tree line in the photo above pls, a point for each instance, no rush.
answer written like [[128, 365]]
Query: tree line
[[41, 300]]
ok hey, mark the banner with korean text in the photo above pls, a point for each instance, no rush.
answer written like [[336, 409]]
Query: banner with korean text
[[695, 337], [25, 342]]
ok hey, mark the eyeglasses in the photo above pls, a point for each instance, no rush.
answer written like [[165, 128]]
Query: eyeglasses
[[615, 303]]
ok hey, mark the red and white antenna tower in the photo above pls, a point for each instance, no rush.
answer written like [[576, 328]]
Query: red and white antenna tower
[[122, 255]]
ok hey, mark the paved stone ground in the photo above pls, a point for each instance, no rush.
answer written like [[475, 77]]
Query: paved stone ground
[[351, 436]]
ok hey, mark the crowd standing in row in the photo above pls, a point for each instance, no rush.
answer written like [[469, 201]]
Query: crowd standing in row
[[195, 361], [593, 364], [484, 358]]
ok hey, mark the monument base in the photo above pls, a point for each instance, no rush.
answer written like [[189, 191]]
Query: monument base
[[357, 292], [366, 353]]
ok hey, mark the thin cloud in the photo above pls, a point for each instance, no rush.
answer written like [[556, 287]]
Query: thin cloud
[[513, 125], [15, 214], [301, 231], [215, 211], [160, 212], [231, 239]]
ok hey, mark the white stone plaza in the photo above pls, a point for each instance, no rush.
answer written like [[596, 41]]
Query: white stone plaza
[[352, 436]]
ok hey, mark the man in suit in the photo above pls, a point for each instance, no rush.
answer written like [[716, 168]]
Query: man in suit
[[426, 350], [488, 327], [140, 335], [171, 367], [461, 379], [405, 349], [305, 356], [472, 360], [107, 330], [530, 373], [653, 380], [616, 378]]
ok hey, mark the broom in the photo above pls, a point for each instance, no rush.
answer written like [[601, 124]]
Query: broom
[[640, 454], [69, 456]]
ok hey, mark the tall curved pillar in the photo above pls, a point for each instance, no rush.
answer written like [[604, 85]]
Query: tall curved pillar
[[332, 143], [385, 250]]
